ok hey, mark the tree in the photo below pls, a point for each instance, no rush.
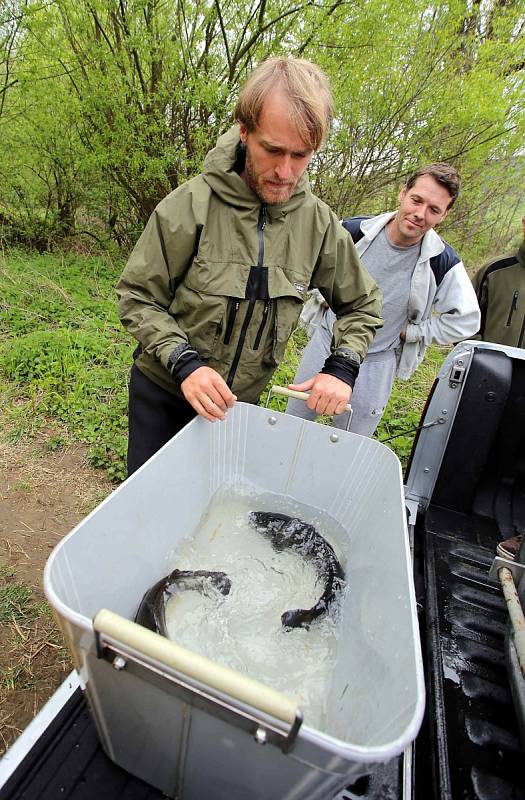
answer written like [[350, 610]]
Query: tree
[[11, 16], [118, 101], [425, 86], [155, 82]]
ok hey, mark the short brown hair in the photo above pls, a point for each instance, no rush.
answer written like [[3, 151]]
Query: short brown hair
[[445, 174], [306, 86]]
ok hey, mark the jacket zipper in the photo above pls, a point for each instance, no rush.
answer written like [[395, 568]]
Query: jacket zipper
[[261, 326], [261, 224], [513, 306], [234, 306]]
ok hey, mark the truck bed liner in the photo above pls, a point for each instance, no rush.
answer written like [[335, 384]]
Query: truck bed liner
[[472, 726], [68, 762]]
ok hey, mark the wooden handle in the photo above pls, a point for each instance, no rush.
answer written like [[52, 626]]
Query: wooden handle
[[297, 395], [221, 679]]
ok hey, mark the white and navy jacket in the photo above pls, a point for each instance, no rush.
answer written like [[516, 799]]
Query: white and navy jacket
[[442, 305]]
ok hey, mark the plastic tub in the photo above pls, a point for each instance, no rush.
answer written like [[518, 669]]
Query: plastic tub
[[190, 727]]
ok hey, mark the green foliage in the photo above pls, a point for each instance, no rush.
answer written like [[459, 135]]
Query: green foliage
[[65, 352], [438, 83], [107, 106]]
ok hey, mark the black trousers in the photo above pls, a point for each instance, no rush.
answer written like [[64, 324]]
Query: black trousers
[[155, 416]]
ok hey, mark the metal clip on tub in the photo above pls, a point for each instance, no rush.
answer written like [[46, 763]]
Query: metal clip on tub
[[303, 396], [268, 715]]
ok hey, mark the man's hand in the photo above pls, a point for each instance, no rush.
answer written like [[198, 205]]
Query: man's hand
[[208, 393], [328, 395]]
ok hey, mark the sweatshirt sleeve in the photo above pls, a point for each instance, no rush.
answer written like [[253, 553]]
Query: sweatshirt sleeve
[[350, 292], [158, 261], [455, 311]]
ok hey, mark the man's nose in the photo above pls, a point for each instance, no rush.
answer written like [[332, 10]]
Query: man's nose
[[283, 167]]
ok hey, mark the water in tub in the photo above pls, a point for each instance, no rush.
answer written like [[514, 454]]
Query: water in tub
[[243, 630]]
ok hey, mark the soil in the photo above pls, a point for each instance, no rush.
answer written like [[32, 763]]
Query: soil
[[43, 495]]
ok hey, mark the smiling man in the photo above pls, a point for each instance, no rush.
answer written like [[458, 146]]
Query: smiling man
[[216, 283], [427, 295]]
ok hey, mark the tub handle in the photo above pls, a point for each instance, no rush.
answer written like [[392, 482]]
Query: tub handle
[[120, 640], [284, 392]]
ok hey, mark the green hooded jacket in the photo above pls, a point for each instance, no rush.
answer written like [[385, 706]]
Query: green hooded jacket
[[217, 269], [500, 288]]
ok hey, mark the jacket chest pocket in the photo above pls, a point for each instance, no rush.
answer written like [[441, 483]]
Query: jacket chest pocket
[[248, 316], [201, 317], [287, 296], [256, 293], [285, 318], [207, 302], [233, 310]]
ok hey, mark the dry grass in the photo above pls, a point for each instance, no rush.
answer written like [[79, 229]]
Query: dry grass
[[45, 490], [33, 663]]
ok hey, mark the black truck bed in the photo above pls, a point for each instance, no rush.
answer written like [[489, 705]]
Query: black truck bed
[[469, 744], [469, 747]]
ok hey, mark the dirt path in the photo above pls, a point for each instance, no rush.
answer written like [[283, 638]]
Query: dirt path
[[43, 494]]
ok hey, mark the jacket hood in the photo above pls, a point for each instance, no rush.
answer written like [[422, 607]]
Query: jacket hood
[[220, 175]]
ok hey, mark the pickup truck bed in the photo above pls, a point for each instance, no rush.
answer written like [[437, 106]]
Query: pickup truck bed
[[469, 746], [472, 742]]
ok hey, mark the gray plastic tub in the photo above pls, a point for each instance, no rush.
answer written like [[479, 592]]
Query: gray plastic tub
[[195, 729]]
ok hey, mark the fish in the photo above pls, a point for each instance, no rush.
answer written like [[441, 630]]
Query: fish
[[290, 532], [151, 612]]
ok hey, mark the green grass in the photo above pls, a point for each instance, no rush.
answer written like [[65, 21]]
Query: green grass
[[16, 598], [33, 658], [65, 358]]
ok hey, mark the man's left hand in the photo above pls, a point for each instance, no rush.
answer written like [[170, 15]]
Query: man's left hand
[[328, 395]]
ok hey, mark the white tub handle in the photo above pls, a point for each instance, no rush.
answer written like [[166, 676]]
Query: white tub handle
[[114, 629], [284, 392]]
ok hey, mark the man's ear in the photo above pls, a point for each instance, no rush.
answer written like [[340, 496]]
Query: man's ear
[[243, 132], [402, 193]]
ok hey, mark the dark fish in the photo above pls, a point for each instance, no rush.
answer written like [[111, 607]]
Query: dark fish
[[290, 532], [152, 610]]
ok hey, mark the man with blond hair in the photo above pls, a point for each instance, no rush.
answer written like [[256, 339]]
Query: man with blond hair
[[217, 280]]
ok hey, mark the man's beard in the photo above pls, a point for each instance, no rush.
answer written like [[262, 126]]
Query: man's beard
[[266, 193]]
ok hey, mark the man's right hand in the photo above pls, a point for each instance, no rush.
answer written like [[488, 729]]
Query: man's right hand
[[208, 393]]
